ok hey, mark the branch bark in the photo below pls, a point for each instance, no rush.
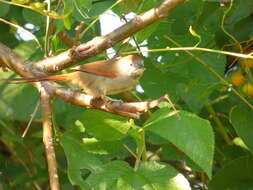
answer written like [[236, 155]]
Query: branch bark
[[48, 140], [101, 43], [130, 110]]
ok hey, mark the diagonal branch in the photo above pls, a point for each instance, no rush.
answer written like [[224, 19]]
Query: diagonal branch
[[125, 109], [101, 43]]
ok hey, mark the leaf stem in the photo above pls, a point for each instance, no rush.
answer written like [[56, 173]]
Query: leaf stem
[[220, 98], [247, 56], [141, 149], [219, 124], [225, 31]]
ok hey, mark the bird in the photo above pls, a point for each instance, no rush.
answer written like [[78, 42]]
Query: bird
[[99, 78]]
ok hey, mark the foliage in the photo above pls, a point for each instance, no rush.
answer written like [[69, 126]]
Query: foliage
[[206, 144]]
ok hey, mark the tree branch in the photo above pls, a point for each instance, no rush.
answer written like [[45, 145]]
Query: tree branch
[[130, 110], [48, 140], [101, 43]]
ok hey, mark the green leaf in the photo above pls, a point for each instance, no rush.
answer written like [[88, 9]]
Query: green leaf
[[241, 9], [62, 111], [196, 94], [184, 16], [148, 4], [162, 177], [170, 152], [102, 147], [34, 18], [14, 104], [150, 175], [4, 9], [241, 119], [78, 159], [68, 22], [191, 134], [105, 126], [127, 6], [244, 28], [100, 6], [210, 18], [237, 174], [108, 175], [156, 83], [68, 6], [146, 32], [84, 3], [26, 49]]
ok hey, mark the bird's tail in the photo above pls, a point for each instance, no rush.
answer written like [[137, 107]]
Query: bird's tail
[[36, 79]]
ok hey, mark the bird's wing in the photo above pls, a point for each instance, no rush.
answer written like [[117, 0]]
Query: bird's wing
[[103, 68]]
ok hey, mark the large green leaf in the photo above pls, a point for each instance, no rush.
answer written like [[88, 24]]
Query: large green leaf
[[146, 32], [84, 3], [33, 17], [241, 9], [100, 6], [102, 147], [78, 159], [4, 9], [210, 18], [196, 94], [150, 175], [241, 119], [184, 16], [62, 112], [190, 133], [156, 82], [17, 101], [244, 28], [125, 7], [105, 126], [26, 49], [237, 174]]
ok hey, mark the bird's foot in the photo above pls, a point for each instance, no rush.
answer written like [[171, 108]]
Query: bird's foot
[[106, 101]]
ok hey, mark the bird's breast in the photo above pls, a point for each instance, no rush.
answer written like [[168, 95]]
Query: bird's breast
[[95, 84], [118, 85]]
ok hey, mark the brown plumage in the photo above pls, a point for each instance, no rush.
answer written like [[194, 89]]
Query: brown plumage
[[100, 78]]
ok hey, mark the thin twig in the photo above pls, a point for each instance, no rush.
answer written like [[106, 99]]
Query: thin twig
[[47, 35], [101, 43], [78, 31], [32, 117], [130, 151]]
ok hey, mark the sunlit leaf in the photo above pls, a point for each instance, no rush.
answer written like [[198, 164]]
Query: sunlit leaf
[[188, 132]]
